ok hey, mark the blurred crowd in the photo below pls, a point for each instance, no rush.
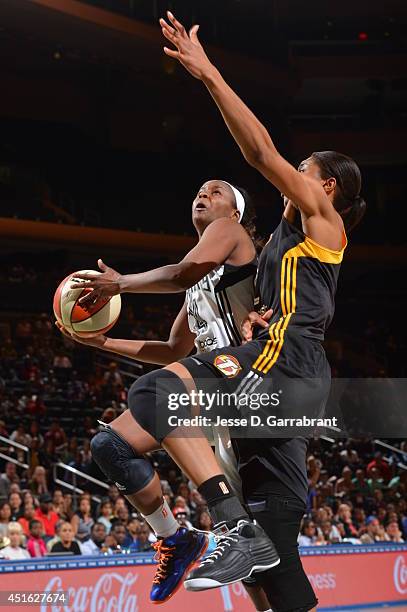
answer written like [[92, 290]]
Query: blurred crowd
[[53, 391]]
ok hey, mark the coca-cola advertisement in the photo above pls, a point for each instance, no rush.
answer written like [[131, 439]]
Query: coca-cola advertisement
[[340, 578]]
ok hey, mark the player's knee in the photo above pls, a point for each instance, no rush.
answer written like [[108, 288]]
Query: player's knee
[[120, 463]]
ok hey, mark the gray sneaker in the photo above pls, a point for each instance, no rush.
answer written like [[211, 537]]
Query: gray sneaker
[[239, 553]]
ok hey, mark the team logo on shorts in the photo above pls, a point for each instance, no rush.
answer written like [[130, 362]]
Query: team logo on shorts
[[227, 365]]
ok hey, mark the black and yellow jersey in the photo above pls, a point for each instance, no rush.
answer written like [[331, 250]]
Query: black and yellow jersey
[[297, 278]]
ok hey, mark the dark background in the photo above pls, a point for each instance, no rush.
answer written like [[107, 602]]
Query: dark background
[[99, 128]]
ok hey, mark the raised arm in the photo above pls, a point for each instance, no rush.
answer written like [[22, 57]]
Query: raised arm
[[251, 136], [217, 244], [179, 344]]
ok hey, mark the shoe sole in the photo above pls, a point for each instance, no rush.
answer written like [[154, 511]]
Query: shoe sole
[[202, 584], [187, 570]]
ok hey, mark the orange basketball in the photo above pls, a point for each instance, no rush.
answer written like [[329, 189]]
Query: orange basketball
[[96, 319]]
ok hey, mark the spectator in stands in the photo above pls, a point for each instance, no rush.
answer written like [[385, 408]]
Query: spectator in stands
[[140, 533], [204, 521], [5, 517], [119, 534], [349, 455], [62, 361], [15, 500], [113, 493], [112, 376], [50, 543], [28, 516], [57, 435], [46, 515], [71, 451], [108, 415], [67, 544], [308, 534], [375, 481], [94, 546], [28, 497], [35, 433], [106, 514], [82, 521], [14, 550], [20, 435], [58, 502], [119, 503], [344, 522], [393, 532], [381, 465], [3, 429], [330, 533], [123, 514], [359, 519], [360, 484], [68, 511], [344, 485], [38, 482], [35, 544], [374, 533], [182, 518], [7, 478]]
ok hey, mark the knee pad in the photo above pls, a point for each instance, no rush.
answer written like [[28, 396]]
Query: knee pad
[[152, 399], [119, 462]]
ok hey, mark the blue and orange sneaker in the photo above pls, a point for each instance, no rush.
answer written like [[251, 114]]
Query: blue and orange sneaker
[[175, 556]]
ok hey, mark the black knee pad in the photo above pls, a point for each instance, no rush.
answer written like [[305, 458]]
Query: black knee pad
[[150, 398], [119, 462]]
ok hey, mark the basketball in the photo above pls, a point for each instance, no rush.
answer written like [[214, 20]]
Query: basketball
[[88, 322]]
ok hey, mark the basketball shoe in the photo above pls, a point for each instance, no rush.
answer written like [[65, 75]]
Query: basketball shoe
[[175, 555], [239, 553]]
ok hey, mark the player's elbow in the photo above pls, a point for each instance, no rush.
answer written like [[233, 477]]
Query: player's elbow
[[261, 158]]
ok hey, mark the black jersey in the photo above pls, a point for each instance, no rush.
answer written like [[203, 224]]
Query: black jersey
[[297, 278]]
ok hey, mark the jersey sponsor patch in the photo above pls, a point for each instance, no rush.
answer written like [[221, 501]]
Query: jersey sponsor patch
[[227, 365]]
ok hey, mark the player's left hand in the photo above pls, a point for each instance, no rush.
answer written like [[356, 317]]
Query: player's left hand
[[103, 285], [190, 52], [253, 319]]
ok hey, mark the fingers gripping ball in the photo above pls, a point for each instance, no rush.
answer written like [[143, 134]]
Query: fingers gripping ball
[[97, 318]]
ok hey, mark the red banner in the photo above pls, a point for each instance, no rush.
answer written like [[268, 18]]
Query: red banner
[[338, 579]]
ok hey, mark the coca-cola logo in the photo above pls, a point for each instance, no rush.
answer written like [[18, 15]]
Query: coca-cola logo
[[400, 575], [111, 593]]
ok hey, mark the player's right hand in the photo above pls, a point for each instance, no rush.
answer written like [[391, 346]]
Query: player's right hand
[[96, 341], [189, 51], [254, 319]]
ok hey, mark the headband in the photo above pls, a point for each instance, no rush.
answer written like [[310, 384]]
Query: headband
[[239, 199]]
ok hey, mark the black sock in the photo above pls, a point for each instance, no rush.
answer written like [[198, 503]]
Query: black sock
[[223, 505]]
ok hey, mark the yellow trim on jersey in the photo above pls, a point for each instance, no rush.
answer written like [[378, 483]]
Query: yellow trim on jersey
[[310, 248], [288, 295]]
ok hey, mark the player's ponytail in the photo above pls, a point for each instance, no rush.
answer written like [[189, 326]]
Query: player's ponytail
[[249, 219], [347, 201]]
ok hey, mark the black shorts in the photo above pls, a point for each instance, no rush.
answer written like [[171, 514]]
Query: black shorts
[[279, 513], [293, 367]]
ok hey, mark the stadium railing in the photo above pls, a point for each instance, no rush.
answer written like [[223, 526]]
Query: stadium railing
[[76, 474], [17, 446]]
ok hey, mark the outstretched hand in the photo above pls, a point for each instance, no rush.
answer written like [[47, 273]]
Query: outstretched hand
[[104, 285], [189, 51]]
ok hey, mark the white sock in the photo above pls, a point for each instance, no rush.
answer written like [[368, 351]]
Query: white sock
[[162, 521]]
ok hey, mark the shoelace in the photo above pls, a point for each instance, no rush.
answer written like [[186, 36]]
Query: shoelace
[[163, 555], [221, 542]]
